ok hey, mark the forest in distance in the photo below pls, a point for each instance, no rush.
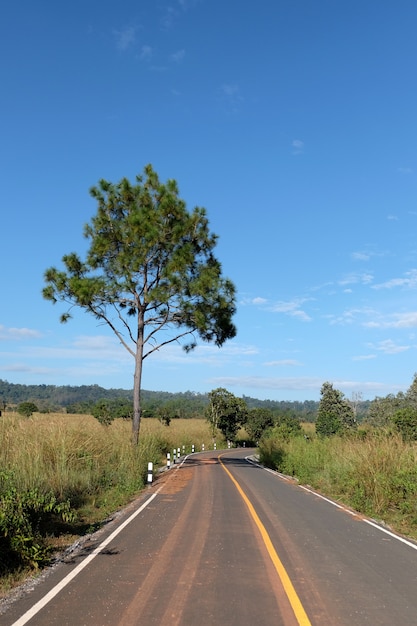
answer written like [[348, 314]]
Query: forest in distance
[[188, 404]]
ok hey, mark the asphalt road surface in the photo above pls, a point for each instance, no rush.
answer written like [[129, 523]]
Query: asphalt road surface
[[220, 540]]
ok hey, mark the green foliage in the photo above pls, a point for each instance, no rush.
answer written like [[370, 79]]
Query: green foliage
[[151, 262], [105, 411], [27, 408], [335, 415], [225, 412], [382, 410], [286, 426], [405, 421], [258, 420], [24, 516]]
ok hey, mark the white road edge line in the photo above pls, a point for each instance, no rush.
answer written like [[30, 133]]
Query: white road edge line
[[64, 582], [408, 543]]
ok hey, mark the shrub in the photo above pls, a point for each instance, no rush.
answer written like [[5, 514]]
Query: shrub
[[24, 515], [27, 408]]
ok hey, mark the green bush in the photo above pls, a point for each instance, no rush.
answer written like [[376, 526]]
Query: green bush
[[24, 517], [27, 408]]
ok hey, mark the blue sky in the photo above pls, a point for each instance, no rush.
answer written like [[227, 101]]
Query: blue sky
[[292, 122]]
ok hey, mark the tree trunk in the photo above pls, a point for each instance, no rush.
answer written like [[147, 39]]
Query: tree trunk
[[137, 381]]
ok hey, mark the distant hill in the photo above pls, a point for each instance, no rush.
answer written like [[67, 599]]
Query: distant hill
[[81, 399]]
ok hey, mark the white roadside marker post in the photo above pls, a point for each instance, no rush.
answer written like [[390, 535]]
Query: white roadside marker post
[[150, 473]]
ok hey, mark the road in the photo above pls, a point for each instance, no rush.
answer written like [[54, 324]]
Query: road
[[220, 540]]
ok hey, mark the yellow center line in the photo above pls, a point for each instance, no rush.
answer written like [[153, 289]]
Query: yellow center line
[[292, 596]]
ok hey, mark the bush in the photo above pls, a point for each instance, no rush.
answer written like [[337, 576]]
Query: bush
[[24, 516], [27, 408]]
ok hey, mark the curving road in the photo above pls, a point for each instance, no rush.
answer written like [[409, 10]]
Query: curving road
[[220, 540]]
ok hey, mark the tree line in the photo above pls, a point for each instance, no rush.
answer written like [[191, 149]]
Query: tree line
[[83, 399]]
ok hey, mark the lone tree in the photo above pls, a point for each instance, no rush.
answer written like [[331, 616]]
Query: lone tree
[[334, 415], [149, 274], [225, 412]]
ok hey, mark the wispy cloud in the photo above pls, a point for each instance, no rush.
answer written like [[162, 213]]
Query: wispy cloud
[[353, 315], [292, 308], [389, 347], [231, 94], [169, 16], [178, 56], [409, 281], [363, 278], [9, 334], [283, 363], [146, 53], [257, 301], [394, 320], [297, 146], [125, 38], [367, 254], [301, 384], [361, 256], [405, 170]]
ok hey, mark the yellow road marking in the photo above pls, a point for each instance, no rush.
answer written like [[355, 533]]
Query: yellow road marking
[[292, 596]]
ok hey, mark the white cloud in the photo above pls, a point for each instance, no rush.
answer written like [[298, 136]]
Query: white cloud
[[125, 38], [409, 281], [178, 56], [360, 256], [256, 301], [292, 308], [169, 17], [351, 315], [230, 89], [9, 334], [230, 93], [364, 357], [389, 347], [283, 362], [396, 320], [363, 278], [301, 384], [146, 53], [297, 146]]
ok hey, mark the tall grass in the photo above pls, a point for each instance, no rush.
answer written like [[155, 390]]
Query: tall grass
[[375, 474], [65, 473], [75, 456]]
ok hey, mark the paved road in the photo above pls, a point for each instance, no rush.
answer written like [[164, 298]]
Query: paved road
[[223, 541]]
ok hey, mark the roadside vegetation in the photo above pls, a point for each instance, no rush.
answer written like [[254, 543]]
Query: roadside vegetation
[[375, 473], [62, 475], [369, 466]]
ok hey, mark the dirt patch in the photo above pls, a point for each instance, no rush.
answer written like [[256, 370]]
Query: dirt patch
[[176, 480]]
